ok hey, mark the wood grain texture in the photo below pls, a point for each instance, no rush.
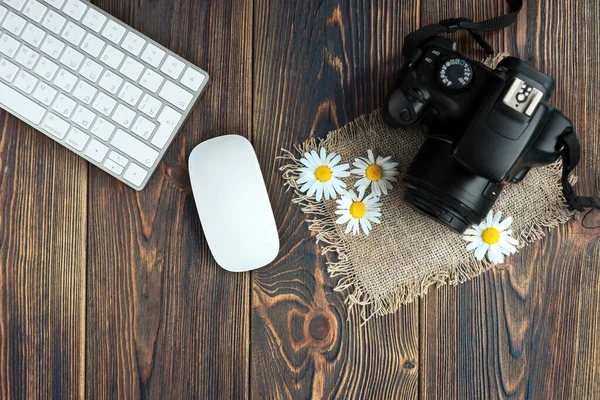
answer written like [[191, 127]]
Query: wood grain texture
[[42, 265], [319, 66], [527, 331], [164, 321], [110, 293]]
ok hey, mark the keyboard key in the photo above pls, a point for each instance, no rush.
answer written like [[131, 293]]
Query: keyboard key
[[111, 82], [77, 139], [46, 69], [85, 92], [74, 9], [45, 94], [134, 148], [150, 106], [52, 47], [132, 69], [65, 80], [130, 94], [114, 32], [192, 79], [118, 158], [175, 95], [102, 129], [21, 105], [83, 117], [94, 20], [135, 174], [173, 67], [133, 43], [64, 105], [54, 22], [33, 35], [72, 58], [153, 55], [8, 70], [104, 104], [112, 57], [16, 4], [55, 125], [151, 80], [73, 33], [8, 45], [34, 10], [14, 24], [3, 12], [96, 151], [123, 116], [55, 3], [113, 166], [168, 120], [91, 70], [25, 81], [143, 128], [92, 45], [27, 57]]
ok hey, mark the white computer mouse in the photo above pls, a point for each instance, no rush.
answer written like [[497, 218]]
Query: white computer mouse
[[233, 204]]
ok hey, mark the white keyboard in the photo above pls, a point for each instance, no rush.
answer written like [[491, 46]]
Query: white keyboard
[[94, 84]]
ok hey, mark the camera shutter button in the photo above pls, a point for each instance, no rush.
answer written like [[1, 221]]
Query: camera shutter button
[[405, 115]]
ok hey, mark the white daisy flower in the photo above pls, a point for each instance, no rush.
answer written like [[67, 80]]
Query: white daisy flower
[[321, 174], [358, 212], [493, 238], [377, 173]]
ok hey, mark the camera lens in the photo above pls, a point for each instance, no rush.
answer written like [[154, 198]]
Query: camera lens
[[438, 186]]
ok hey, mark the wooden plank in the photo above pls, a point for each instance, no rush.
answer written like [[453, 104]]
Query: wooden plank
[[527, 330], [43, 207], [320, 65], [164, 321]]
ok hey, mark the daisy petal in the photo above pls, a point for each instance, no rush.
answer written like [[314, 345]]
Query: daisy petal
[[316, 157], [489, 219], [481, 250], [313, 188], [472, 246], [343, 219], [497, 218], [319, 192], [370, 155], [336, 161], [323, 154], [507, 246], [505, 224], [509, 239], [304, 179], [359, 163]]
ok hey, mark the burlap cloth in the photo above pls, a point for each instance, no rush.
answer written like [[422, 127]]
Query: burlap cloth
[[407, 253]]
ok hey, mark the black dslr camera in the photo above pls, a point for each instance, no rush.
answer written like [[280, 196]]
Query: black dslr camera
[[487, 128]]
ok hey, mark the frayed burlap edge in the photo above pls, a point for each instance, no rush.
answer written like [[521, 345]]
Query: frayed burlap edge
[[342, 267]]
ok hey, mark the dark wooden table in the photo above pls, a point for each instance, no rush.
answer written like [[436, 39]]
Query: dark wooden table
[[109, 293]]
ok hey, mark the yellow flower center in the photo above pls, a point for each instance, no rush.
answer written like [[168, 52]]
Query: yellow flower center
[[374, 172], [491, 236], [358, 209], [323, 173]]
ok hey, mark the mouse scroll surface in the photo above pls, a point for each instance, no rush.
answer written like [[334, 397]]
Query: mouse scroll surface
[[233, 203]]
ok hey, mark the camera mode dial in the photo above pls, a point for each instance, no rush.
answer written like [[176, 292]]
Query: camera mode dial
[[455, 74]]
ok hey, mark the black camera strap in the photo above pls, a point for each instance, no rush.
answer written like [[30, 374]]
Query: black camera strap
[[571, 156], [413, 41]]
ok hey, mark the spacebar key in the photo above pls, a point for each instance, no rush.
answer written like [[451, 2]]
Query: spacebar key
[[11, 100], [134, 148]]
